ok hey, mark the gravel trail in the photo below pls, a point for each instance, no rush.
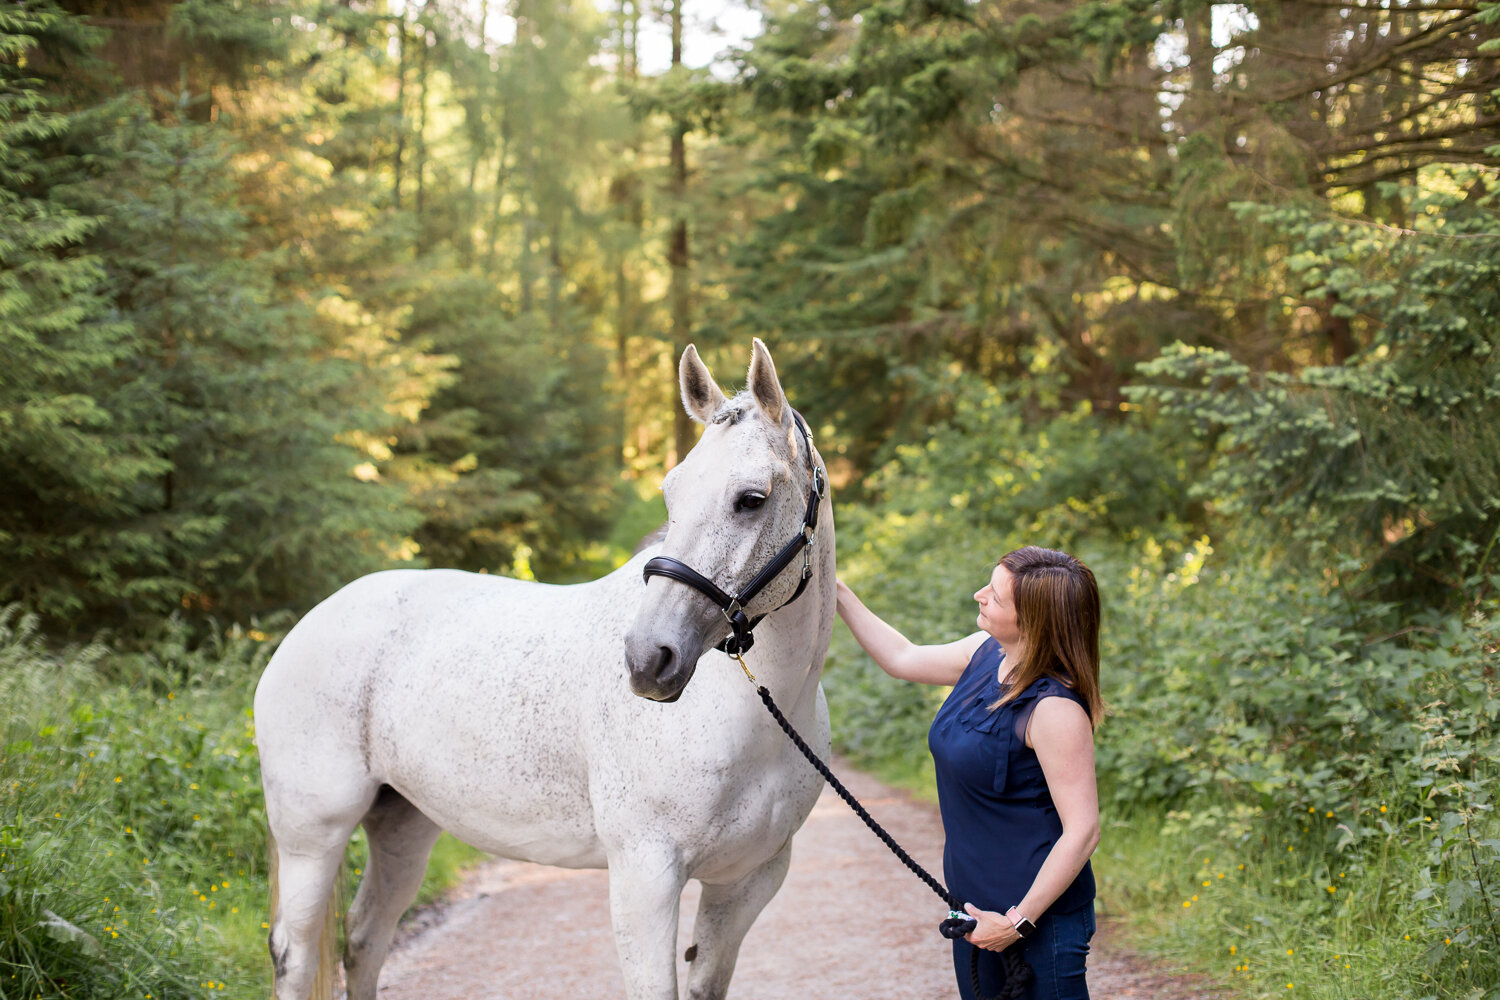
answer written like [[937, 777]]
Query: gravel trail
[[849, 922]]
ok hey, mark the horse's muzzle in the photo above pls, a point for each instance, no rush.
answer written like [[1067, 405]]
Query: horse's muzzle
[[657, 672]]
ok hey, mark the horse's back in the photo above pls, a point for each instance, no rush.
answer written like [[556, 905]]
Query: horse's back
[[393, 621]]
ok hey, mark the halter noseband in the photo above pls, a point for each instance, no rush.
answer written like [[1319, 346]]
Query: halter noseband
[[741, 627]]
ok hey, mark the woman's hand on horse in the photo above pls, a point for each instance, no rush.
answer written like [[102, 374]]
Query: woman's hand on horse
[[995, 931]]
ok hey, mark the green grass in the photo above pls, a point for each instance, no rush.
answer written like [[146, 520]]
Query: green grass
[[450, 862], [1277, 912], [132, 859]]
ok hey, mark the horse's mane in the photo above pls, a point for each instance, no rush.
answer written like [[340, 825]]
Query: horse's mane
[[733, 410], [650, 539]]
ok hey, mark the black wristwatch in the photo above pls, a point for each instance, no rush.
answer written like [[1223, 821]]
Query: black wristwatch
[[1024, 927]]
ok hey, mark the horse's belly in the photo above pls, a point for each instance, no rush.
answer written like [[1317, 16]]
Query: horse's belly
[[542, 840]]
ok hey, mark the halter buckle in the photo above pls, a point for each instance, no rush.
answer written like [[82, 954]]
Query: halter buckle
[[820, 482]]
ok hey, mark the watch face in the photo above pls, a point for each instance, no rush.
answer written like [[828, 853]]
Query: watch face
[[1025, 927]]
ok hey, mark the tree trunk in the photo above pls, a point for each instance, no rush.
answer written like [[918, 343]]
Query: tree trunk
[[481, 140], [683, 435], [525, 34], [626, 195], [421, 137], [499, 190], [400, 104], [1198, 107]]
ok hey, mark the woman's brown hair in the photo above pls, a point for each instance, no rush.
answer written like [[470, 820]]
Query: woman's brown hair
[[1057, 614]]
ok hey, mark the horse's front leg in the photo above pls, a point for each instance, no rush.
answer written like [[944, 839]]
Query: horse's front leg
[[725, 913], [645, 890]]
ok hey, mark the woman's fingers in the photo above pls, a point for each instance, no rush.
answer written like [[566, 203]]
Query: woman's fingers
[[994, 933]]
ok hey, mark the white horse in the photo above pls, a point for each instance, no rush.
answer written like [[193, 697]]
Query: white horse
[[415, 701]]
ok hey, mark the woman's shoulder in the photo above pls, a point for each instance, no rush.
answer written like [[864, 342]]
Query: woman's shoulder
[[1058, 718], [1062, 701], [981, 646], [1050, 686]]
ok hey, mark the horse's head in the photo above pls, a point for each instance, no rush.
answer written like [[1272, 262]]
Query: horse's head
[[732, 505]]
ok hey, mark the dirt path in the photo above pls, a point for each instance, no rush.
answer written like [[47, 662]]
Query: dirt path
[[849, 922]]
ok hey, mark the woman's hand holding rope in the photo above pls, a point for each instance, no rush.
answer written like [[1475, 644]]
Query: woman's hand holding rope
[[995, 931]]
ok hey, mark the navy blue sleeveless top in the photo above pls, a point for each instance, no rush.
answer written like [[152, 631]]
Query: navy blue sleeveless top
[[998, 817]]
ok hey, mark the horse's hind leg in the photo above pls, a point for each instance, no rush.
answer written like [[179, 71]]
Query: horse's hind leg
[[400, 838], [725, 913], [306, 866]]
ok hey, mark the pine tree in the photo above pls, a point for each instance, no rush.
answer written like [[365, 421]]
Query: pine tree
[[1045, 192], [1389, 461], [69, 466], [244, 395]]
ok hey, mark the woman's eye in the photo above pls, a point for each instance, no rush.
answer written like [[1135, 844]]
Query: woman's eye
[[749, 501]]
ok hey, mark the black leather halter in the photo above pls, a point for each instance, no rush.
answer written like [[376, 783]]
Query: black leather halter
[[741, 627]]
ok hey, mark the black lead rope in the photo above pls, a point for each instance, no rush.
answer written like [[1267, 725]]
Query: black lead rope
[[1017, 972]]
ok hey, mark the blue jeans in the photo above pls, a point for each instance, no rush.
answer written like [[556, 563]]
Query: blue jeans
[[1057, 953]]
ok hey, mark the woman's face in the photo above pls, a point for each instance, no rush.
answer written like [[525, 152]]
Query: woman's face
[[997, 611]]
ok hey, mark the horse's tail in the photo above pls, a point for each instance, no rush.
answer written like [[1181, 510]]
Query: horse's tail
[[325, 981]]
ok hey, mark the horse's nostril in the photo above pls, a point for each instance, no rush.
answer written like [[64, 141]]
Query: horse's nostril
[[658, 667]]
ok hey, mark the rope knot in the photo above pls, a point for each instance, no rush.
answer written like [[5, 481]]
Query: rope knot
[[957, 925]]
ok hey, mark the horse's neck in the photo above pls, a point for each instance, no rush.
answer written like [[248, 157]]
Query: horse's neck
[[796, 637]]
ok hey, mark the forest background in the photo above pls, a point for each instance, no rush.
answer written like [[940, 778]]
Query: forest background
[[1207, 293]]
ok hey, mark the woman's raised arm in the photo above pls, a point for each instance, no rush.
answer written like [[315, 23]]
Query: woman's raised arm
[[899, 656]]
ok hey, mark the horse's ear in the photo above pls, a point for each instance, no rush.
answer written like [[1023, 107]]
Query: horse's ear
[[766, 387], [701, 395]]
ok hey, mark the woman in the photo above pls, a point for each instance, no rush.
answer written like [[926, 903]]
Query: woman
[[1014, 753]]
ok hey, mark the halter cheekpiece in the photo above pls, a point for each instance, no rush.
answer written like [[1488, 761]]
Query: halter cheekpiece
[[741, 626]]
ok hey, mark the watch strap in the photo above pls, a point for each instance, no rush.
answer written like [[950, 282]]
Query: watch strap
[[1024, 927]]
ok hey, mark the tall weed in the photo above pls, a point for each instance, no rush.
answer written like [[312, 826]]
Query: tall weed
[[130, 829]]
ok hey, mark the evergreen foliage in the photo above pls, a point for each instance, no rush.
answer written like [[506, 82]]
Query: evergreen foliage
[[1393, 456], [68, 466], [226, 391], [245, 398], [1021, 188]]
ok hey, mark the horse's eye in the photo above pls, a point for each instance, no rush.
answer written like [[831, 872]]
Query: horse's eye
[[749, 501]]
